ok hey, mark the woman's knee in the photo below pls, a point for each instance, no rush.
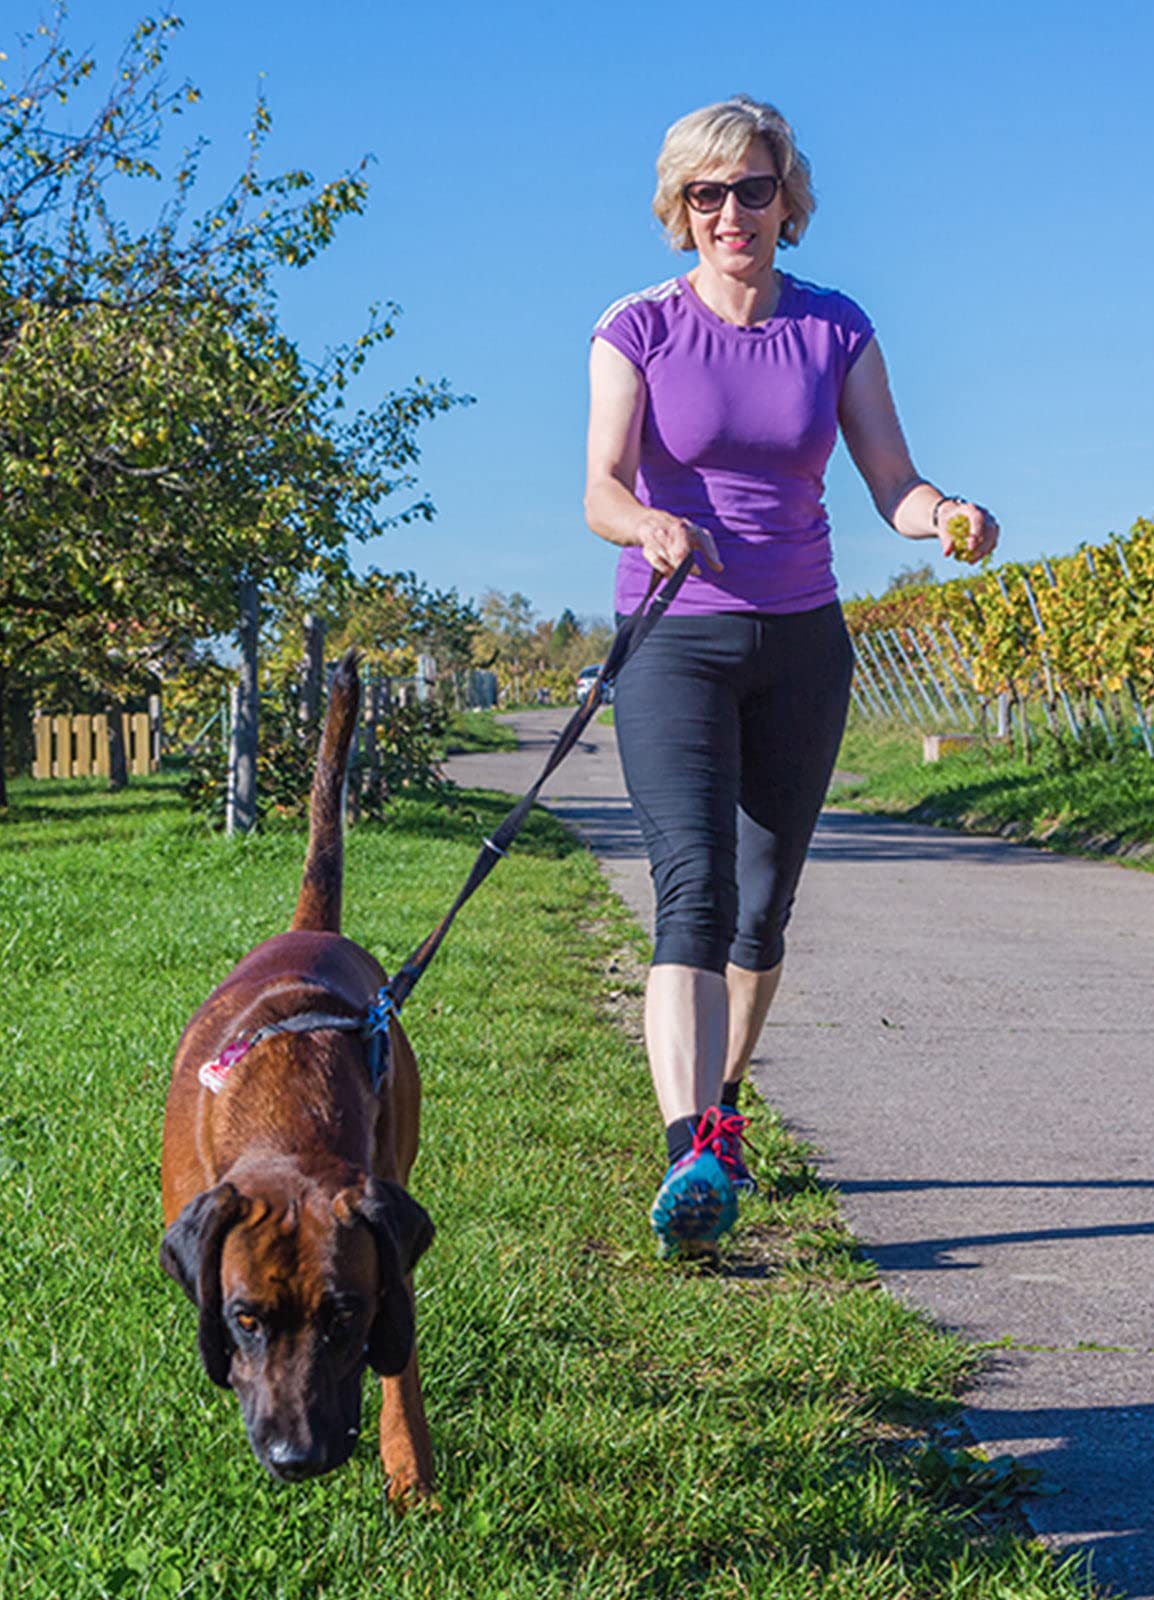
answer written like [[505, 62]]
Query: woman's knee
[[761, 950], [696, 918]]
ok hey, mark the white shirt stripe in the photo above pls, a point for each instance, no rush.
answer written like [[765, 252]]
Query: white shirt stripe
[[656, 291]]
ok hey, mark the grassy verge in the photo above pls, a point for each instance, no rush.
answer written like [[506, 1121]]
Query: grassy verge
[[1061, 797], [605, 1427], [471, 731]]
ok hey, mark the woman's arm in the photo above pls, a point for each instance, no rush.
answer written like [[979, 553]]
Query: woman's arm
[[612, 510], [873, 433]]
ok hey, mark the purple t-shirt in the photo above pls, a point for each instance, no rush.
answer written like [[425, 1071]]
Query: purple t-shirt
[[739, 425]]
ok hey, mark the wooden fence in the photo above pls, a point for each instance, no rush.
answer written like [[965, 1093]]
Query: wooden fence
[[76, 746]]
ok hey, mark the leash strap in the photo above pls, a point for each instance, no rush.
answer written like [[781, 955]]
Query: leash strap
[[373, 1024], [629, 637]]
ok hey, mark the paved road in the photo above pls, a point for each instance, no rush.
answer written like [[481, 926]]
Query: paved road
[[966, 1033]]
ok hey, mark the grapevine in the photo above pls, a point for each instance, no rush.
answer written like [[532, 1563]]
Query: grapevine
[[1074, 633]]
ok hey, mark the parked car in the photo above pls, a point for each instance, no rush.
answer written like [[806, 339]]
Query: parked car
[[586, 678]]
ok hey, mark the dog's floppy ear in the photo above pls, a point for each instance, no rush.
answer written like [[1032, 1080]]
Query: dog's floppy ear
[[190, 1252], [403, 1231]]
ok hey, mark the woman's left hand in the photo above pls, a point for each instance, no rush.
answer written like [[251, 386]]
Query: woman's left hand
[[979, 537]]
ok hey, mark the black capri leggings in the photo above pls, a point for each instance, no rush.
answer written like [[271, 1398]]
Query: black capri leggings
[[728, 728]]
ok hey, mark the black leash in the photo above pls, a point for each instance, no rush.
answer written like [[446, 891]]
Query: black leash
[[373, 1024], [629, 637]]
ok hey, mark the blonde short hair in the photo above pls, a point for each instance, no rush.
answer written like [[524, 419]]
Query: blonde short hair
[[720, 135]]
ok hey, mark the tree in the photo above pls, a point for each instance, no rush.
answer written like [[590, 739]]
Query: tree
[[508, 624], [161, 438], [389, 617], [912, 578], [565, 631]]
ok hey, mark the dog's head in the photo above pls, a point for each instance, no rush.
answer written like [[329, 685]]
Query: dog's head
[[298, 1290]]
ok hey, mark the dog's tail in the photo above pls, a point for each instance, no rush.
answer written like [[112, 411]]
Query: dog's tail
[[319, 906]]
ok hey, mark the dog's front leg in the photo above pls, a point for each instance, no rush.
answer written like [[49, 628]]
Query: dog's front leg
[[406, 1452]]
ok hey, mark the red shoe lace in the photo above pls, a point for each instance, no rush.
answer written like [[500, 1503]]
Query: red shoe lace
[[720, 1131]]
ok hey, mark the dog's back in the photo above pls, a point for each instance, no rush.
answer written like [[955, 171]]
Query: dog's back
[[319, 906]]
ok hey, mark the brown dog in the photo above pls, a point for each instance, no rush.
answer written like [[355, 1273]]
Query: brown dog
[[288, 1225]]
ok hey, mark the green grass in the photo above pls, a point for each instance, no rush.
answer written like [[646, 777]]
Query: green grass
[[470, 731], [605, 1428], [1100, 804]]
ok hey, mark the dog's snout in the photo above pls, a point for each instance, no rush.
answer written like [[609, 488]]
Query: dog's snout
[[288, 1459]]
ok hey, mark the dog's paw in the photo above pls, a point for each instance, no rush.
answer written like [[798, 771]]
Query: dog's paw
[[407, 1490]]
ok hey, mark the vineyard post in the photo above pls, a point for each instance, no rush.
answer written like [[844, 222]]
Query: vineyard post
[[884, 640], [1095, 699], [1047, 674], [890, 704], [949, 671], [1140, 710], [930, 673], [862, 669], [1015, 697], [866, 688], [873, 692], [884, 673], [900, 687], [1071, 715], [1024, 720]]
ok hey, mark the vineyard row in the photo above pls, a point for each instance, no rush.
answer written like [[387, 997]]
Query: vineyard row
[[1072, 637]]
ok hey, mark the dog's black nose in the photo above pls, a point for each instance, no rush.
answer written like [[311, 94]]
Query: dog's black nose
[[286, 1459]]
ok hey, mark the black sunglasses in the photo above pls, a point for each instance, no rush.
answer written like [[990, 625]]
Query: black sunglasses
[[753, 194]]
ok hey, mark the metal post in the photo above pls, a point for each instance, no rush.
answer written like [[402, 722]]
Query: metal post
[[864, 680], [155, 731], [884, 647], [1142, 722], [900, 708], [949, 672], [1071, 715], [241, 812], [912, 675], [1047, 673], [929, 671]]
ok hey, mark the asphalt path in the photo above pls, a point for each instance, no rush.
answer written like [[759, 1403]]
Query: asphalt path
[[965, 1032]]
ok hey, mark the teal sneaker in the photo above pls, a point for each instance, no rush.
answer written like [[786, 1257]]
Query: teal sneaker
[[697, 1200], [731, 1128]]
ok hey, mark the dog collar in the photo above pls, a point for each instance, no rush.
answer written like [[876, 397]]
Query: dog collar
[[373, 1028]]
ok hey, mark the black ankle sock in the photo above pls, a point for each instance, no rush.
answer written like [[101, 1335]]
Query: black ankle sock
[[679, 1137], [729, 1092]]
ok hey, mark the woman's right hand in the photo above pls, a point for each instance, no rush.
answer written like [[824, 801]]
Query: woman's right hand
[[666, 540]]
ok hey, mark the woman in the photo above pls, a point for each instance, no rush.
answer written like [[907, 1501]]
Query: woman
[[715, 403]]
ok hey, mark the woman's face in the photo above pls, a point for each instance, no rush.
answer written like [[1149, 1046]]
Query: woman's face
[[736, 241]]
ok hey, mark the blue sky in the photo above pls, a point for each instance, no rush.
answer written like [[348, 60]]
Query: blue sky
[[983, 171]]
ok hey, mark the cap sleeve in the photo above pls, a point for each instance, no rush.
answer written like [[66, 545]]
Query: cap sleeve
[[624, 327], [856, 330]]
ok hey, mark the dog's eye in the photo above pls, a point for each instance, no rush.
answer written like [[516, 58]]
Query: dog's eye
[[341, 1321], [247, 1323]]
